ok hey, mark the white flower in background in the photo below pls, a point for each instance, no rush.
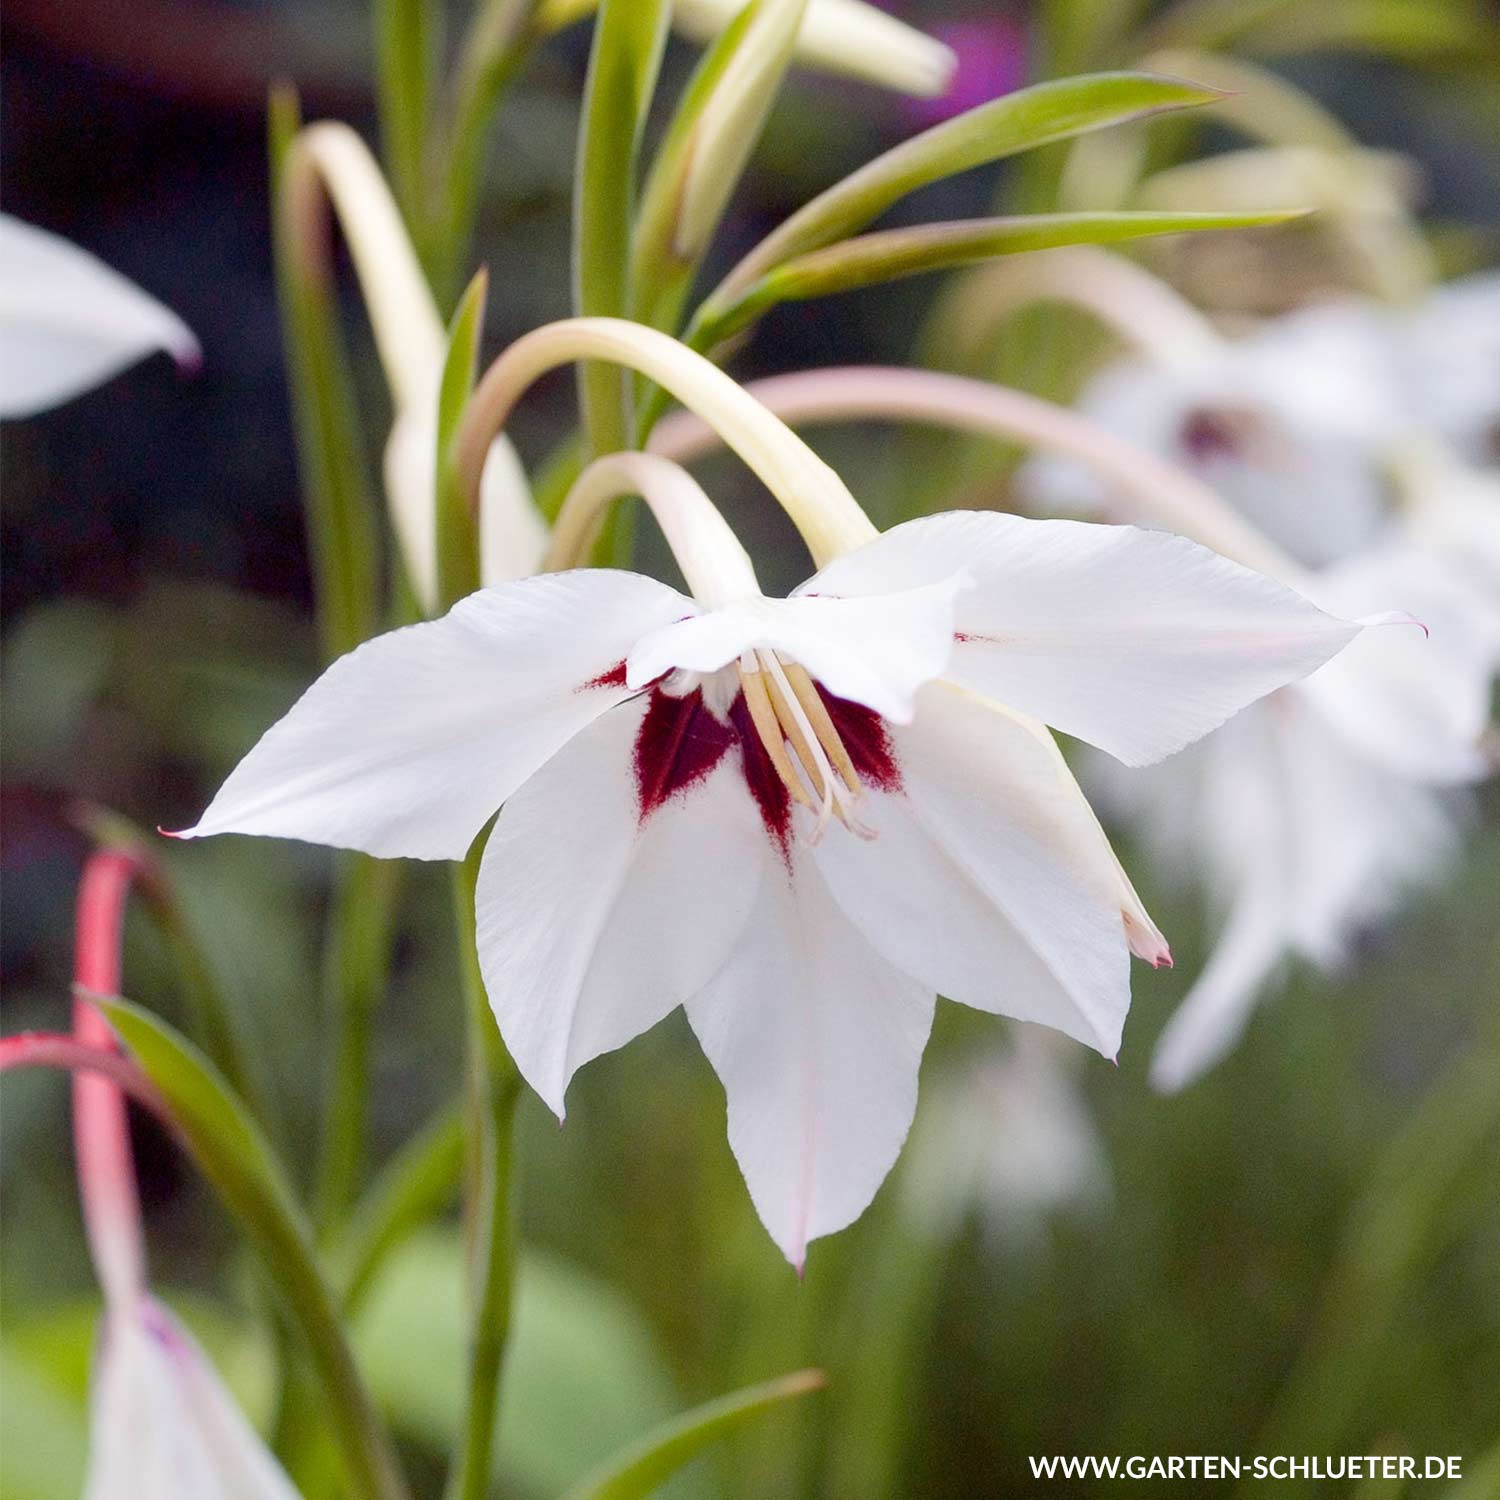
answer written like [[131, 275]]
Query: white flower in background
[[1008, 1137], [1317, 811], [1450, 361], [1289, 424], [798, 818], [69, 323], [161, 1422]]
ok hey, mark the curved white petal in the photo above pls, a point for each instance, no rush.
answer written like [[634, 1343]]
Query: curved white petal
[[1136, 641], [410, 742], [68, 322], [877, 650], [989, 878], [1212, 1017], [594, 924], [512, 533], [1414, 700], [817, 1041], [163, 1424]]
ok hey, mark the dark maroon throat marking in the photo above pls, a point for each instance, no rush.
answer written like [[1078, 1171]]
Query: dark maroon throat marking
[[678, 744], [866, 739]]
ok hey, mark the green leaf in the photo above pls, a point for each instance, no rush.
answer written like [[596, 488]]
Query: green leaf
[[1402, 28], [1017, 122], [43, 1433], [583, 1373], [419, 1181], [457, 527], [638, 1471], [406, 46], [628, 39], [886, 256], [343, 524], [233, 1155], [704, 152]]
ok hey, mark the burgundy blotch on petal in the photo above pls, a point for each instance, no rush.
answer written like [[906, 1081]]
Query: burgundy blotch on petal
[[866, 739], [678, 744]]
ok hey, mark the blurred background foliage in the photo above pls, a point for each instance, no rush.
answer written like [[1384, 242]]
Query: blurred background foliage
[[157, 616]]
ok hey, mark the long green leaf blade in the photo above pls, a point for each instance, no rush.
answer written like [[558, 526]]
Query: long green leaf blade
[[650, 1463], [1021, 121], [457, 526], [891, 254], [233, 1155]]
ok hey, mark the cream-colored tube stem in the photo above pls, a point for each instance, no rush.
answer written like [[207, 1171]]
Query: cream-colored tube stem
[[1151, 490], [816, 499], [408, 330], [717, 568]]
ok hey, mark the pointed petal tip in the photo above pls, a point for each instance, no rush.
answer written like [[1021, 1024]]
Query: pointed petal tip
[[182, 835], [1395, 617]]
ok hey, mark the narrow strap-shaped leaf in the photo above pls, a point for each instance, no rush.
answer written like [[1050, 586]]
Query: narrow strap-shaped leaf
[[418, 1182], [1017, 122], [343, 524], [890, 254], [638, 1471], [233, 1155], [628, 39], [457, 529], [406, 46]]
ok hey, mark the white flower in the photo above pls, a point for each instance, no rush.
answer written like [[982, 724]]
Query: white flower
[[162, 1423], [1450, 362], [1007, 1136], [1319, 809], [69, 323], [798, 818], [1289, 424]]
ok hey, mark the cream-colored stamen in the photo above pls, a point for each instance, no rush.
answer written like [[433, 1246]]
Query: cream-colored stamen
[[822, 722], [763, 716]]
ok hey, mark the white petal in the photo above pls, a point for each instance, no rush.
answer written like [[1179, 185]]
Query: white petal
[[594, 925], [68, 322], [817, 1041], [410, 742], [1212, 1017], [876, 650], [1415, 700], [989, 878], [1136, 641], [163, 1424]]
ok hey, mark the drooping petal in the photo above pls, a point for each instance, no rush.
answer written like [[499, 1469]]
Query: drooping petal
[[1414, 700], [598, 916], [989, 878], [163, 1424], [405, 746], [1136, 641], [68, 322], [876, 650], [817, 1041]]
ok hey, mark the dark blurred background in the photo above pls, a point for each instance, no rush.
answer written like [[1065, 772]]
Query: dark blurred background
[[156, 616]]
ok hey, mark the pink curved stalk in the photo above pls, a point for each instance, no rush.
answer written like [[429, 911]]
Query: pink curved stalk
[[101, 1133], [1150, 491], [56, 1049]]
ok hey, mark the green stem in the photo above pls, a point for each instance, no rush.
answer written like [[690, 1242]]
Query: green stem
[[356, 961], [1392, 1236], [492, 1087], [407, 43]]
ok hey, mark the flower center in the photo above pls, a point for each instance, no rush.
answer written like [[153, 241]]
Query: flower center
[[801, 739]]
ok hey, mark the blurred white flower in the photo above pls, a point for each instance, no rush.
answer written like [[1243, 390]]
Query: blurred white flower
[[1314, 813], [161, 1422], [1007, 1137], [1450, 360], [801, 818], [69, 323]]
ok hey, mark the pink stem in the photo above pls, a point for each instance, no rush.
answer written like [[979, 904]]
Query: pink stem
[[1153, 491], [56, 1049], [101, 1132]]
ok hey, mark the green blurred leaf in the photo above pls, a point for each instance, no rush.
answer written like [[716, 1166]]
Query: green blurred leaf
[[1404, 28], [629, 36], [43, 1432], [457, 526], [1017, 122], [890, 254], [406, 44], [231, 1152], [583, 1376], [642, 1468], [342, 515]]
